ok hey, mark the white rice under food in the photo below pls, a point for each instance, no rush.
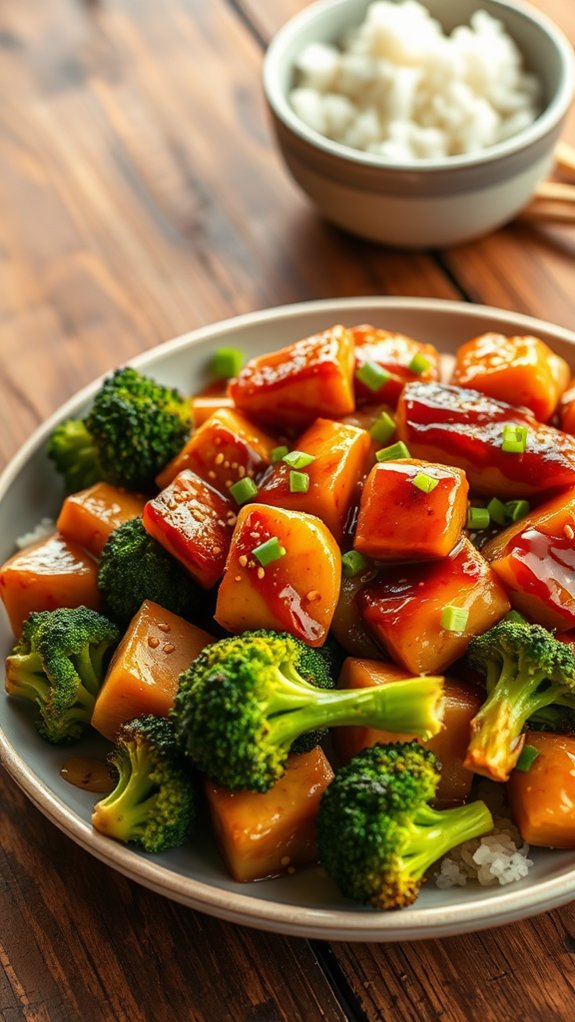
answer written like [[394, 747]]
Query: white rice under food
[[44, 528], [401, 88], [498, 858]]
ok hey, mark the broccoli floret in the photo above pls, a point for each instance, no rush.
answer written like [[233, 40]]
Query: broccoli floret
[[134, 567], [377, 834], [59, 664], [155, 800], [526, 669], [556, 718], [244, 701], [319, 671], [134, 428], [75, 455]]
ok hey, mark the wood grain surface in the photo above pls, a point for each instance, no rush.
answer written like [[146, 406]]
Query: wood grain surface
[[141, 196]]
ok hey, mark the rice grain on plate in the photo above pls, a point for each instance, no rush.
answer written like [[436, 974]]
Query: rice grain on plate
[[44, 528], [401, 88]]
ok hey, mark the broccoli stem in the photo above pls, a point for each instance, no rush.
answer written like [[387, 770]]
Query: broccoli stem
[[496, 740], [410, 707], [88, 665], [124, 813], [434, 832], [25, 677]]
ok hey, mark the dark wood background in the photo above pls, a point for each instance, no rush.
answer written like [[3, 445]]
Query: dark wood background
[[140, 197]]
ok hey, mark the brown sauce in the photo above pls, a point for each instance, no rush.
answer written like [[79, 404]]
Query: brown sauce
[[88, 773]]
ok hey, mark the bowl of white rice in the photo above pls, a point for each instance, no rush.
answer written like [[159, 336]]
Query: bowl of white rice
[[419, 124]]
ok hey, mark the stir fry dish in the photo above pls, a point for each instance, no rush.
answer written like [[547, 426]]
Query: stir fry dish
[[314, 606]]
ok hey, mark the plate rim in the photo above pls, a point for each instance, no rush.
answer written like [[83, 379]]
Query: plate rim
[[289, 919]]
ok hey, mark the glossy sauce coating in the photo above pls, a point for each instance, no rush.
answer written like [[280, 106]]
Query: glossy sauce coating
[[296, 593], [392, 352], [403, 608], [340, 455], [294, 385], [194, 522], [54, 572], [227, 447], [519, 370], [465, 428], [89, 516], [399, 521], [542, 799]]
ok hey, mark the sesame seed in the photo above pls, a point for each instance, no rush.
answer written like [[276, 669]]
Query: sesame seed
[[313, 596], [241, 471], [211, 474], [568, 530], [261, 572], [243, 560], [285, 861], [234, 464], [238, 578], [218, 458], [228, 483], [216, 550]]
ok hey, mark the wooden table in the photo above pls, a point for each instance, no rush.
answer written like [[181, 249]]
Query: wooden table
[[140, 197]]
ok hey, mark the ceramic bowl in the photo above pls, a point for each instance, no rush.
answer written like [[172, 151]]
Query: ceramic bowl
[[424, 203]]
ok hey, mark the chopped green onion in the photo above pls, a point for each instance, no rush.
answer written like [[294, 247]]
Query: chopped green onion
[[298, 482], [424, 482], [226, 362], [419, 364], [393, 453], [478, 518], [515, 617], [298, 459], [383, 428], [527, 758], [352, 563], [372, 375], [269, 551], [497, 511], [514, 439], [243, 490], [517, 509], [278, 453], [454, 619]]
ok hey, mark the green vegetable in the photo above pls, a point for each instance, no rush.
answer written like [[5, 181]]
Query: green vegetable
[[298, 482], [134, 568], [497, 511], [298, 459], [269, 551], [278, 454], [383, 428], [514, 439], [478, 518], [517, 509], [526, 669], [454, 619], [377, 834], [419, 364], [424, 482], [155, 801], [134, 428], [59, 664], [393, 453], [243, 490], [372, 375], [226, 362], [352, 563], [246, 699], [527, 758]]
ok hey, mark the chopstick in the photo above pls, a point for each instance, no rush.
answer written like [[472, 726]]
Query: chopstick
[[554, 200]]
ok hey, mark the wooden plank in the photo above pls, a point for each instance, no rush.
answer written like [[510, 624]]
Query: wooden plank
[[524, 971], [80, 942], [136, 203]]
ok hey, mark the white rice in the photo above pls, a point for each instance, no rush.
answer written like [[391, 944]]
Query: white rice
[[44, 528], [498, 858], [401, 88]]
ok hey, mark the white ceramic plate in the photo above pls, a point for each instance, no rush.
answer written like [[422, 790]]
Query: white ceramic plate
[[306, 904]]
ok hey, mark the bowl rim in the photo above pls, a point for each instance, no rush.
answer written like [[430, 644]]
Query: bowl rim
[[547, 120], [287, 918]]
